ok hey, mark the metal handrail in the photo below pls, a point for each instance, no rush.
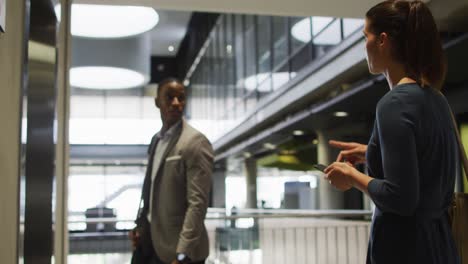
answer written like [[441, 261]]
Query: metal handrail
[[284, 213], [252, 213]]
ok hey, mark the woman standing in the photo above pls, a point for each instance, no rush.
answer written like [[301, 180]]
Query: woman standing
[[412, 153]]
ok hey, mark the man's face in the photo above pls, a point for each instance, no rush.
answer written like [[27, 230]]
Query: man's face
[[171, 103]]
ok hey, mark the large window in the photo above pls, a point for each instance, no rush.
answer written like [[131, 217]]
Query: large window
[[117, 188], [249, 57]]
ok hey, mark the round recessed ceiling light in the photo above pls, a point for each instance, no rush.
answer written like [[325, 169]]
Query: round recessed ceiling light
[[340, 114], [110, 21], [105, 78], [298, 133], [229, 49], [170, 48]]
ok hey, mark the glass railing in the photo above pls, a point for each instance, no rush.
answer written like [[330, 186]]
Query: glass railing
[[251, 236], [246, 236]]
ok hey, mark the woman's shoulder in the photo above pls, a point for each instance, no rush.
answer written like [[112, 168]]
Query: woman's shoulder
[[404, 98]]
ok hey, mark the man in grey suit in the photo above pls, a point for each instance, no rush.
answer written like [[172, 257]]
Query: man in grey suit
[[170, 224]]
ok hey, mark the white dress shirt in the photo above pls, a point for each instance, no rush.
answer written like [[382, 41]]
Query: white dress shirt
[[163, 142]]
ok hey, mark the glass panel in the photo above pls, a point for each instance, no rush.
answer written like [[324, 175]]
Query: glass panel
[[250, 48], [264, 52], [251, 101], [206, 84], [280, 78], [211, 77], [240, 108], [319, 24], [264, 87], [230, 70], [114, 187], [280, 41], [350, 25], [220, 106], [330, 35], [300, 33], [300, 59], [240, 63]]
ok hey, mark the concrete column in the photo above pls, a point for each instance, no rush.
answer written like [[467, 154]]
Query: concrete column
[[328, 196], [13, 46], [250, 165], [219, 185]]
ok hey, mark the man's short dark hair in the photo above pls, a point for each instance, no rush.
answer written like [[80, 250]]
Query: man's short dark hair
[[167, 81]]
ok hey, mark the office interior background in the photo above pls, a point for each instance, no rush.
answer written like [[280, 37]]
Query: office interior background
[[269, 83]]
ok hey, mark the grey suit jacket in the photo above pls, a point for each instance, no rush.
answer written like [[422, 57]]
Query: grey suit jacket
[[180, 196]]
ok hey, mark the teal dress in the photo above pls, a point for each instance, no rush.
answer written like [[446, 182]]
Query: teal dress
[[413, 157]]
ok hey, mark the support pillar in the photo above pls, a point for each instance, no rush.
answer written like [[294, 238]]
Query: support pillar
[[250, 166], [328, 196], [218, 192]]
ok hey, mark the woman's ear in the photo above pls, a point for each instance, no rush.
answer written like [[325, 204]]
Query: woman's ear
[[383, 39]]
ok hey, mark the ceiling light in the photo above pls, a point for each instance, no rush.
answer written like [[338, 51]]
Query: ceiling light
[[186, 82], [229, 49], [96, 66], [110, 21], [301, 30], [269, 146], [247, 155], [105, 78], [315, 141], [298, 133], [330, 36], [170, 48], [340, 114]]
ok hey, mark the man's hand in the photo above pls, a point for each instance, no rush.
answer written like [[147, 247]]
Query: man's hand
[[351, 152], [340, 175], [134, 236]]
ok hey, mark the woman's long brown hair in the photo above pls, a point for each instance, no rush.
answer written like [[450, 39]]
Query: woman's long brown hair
[[415, 38]]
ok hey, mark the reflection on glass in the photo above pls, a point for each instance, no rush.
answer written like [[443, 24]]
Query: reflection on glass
[[297, 43], [250, 40], [264, 52], [350, 25], [280, 41], [279, 78], [301, 30], [331, 35], [230, 69], [251, 101], [249, 56], [116, 187]]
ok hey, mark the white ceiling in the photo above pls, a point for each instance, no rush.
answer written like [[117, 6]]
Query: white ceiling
[[337, 8], [173, 24], [447, 12]]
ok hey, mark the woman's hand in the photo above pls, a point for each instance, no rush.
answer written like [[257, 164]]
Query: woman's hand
[[351, 152], [340, 175]]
